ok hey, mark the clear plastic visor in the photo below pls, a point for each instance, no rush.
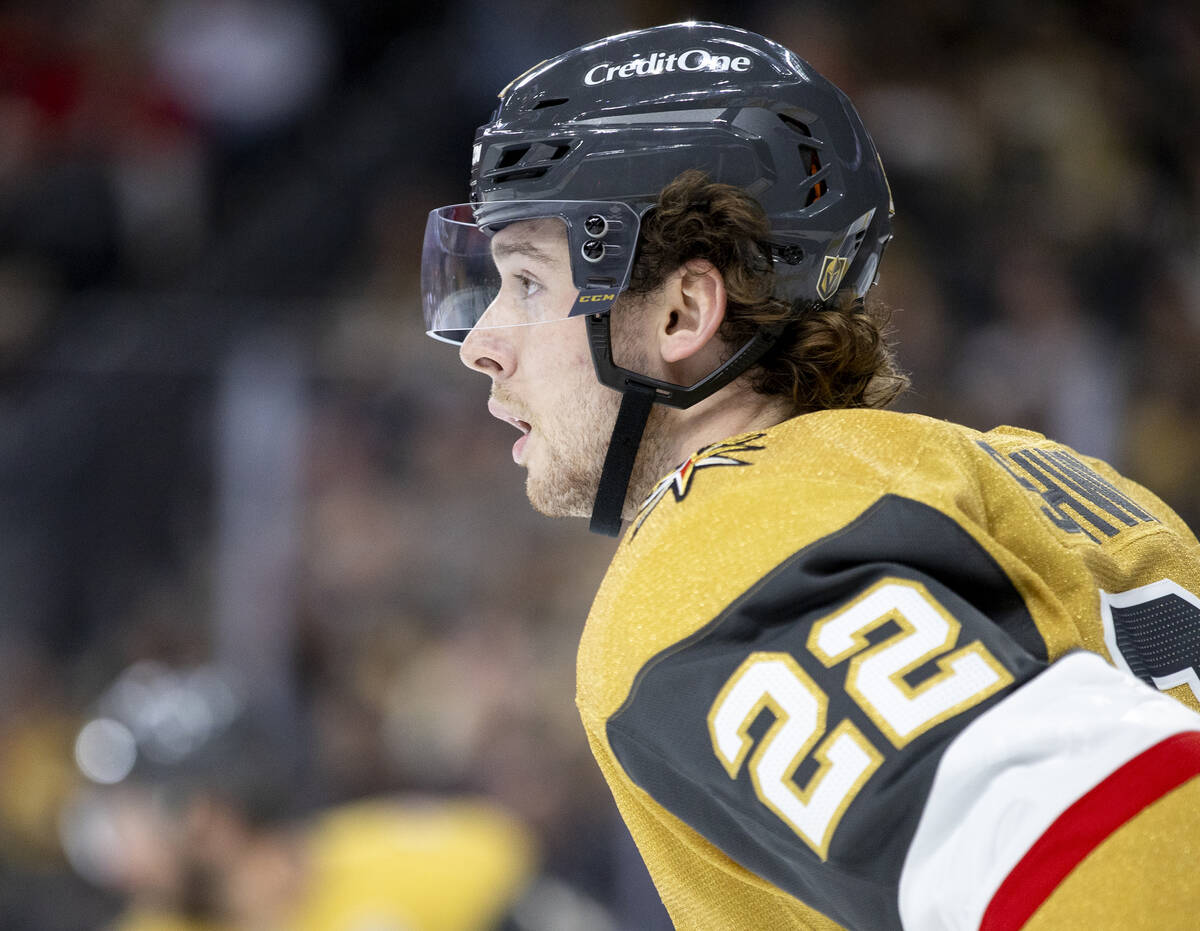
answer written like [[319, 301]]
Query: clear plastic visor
[[519, 263]]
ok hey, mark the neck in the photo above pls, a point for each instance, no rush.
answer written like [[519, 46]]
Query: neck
[[710, 422], [674, 435]]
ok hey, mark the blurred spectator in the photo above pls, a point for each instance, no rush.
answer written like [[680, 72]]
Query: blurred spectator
[[198, 816], [37, 779], [1043, 364], [1161, 442], [242, 67]]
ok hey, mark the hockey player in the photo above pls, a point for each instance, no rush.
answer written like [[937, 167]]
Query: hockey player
[[849, 667]]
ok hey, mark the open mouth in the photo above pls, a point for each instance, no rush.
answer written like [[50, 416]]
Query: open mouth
[[500, 412]]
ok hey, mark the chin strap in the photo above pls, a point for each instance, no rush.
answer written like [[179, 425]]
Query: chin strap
[[636, 402], [639, 393]]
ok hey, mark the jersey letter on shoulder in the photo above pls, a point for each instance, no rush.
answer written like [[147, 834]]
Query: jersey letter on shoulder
[[1065, 483]]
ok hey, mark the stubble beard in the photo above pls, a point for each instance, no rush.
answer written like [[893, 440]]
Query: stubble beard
[[578, 444], [567, 487]]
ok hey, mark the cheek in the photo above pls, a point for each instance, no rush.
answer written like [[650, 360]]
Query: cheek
[[576, 404], [575, 346], [577, 394], [558, 371], [566, 359]]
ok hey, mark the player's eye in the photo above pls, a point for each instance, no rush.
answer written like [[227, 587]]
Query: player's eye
[[529, 287]]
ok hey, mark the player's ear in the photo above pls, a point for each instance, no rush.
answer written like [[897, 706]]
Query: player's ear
[[694, 311]]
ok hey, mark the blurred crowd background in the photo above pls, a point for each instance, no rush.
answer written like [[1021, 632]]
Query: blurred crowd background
[[261, 547]]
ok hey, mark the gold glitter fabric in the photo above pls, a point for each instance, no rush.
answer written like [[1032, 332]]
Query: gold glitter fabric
[[1065, 533], [1165, 893]]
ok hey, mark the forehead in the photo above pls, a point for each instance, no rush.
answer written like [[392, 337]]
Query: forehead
[[543, 240]]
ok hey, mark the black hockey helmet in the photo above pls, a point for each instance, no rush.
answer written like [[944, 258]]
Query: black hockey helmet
[[594, 134]]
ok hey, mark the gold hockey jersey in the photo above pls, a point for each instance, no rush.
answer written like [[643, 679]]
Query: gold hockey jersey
[[846, 673]]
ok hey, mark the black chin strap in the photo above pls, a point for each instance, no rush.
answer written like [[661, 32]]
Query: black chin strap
[[639, 393], [636, 402]]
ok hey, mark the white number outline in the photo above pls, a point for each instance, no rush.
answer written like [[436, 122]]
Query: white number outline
[[875, 675], [776, 682], [846, 758]]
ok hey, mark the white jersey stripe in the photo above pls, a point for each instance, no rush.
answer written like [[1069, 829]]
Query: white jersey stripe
[[1006, 778]]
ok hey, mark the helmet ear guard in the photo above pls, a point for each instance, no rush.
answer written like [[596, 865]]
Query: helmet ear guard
[[616, 121]]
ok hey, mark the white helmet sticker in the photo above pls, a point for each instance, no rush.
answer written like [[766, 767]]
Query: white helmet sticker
[[661, 62]]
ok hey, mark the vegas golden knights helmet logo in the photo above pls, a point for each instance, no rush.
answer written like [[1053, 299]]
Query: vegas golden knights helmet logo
[[832, 270]]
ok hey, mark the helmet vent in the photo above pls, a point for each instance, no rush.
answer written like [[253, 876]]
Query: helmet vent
[[792, 122], [532, 160], [813, 161], [549, 102], [510, 157], [521, 174]]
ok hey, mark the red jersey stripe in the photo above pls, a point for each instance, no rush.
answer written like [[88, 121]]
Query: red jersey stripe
[[1085, 825]]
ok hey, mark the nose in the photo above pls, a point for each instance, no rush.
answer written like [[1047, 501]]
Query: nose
[[488, 349]]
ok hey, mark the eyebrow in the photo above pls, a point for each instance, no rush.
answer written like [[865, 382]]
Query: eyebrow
[[521, 247]]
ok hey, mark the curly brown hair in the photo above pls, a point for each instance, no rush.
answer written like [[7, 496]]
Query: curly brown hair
[[828, 356]]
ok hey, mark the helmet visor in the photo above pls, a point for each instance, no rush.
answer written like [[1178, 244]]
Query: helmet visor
[[518, 263]]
